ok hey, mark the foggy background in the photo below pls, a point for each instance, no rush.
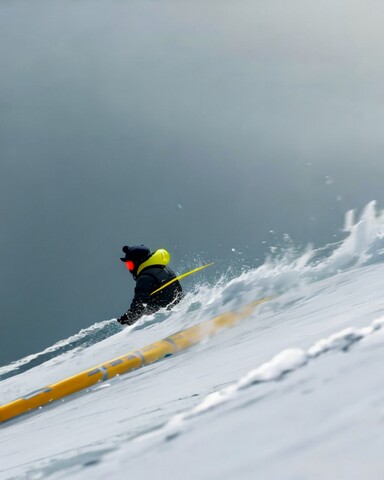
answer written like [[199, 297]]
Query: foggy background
[[194, 126]]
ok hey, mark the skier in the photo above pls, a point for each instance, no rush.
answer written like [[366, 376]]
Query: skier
[[155, 284]]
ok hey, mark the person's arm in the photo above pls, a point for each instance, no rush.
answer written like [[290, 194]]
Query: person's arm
[[139, 306]]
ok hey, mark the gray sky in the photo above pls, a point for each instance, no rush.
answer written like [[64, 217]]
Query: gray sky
[[251, 115]]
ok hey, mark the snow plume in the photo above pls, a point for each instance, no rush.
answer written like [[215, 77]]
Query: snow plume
[[364, 245]]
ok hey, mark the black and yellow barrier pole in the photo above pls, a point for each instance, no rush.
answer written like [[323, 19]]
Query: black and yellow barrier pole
[[125, 363]]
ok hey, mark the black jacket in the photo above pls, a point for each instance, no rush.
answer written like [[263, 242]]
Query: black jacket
[[150, 279]]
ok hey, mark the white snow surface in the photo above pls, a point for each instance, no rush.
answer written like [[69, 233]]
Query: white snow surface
[[293, 392]]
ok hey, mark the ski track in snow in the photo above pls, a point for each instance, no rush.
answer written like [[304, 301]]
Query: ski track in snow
[[74, 343]]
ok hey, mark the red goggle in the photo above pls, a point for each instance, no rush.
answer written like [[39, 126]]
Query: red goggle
[[130, 265]]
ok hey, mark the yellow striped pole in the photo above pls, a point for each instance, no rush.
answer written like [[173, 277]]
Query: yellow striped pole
[[125, 363]]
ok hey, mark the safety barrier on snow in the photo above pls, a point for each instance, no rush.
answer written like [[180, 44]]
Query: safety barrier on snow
[[126, 363]]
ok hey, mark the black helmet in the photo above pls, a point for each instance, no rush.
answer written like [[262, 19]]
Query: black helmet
[[137, 254]]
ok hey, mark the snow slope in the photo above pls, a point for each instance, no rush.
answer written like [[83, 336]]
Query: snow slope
[[293, 392]]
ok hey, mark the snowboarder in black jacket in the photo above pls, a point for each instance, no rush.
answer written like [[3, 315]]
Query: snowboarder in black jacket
[[151, 273]]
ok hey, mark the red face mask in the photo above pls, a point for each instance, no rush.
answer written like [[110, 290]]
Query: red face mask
[[130, 265]]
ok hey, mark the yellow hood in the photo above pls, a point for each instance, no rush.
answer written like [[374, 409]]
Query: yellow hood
[[160, 257]]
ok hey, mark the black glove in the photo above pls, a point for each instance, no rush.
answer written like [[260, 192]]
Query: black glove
[[123, 319]]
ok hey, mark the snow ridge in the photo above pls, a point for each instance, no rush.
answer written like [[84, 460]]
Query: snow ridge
[[287, 361]]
